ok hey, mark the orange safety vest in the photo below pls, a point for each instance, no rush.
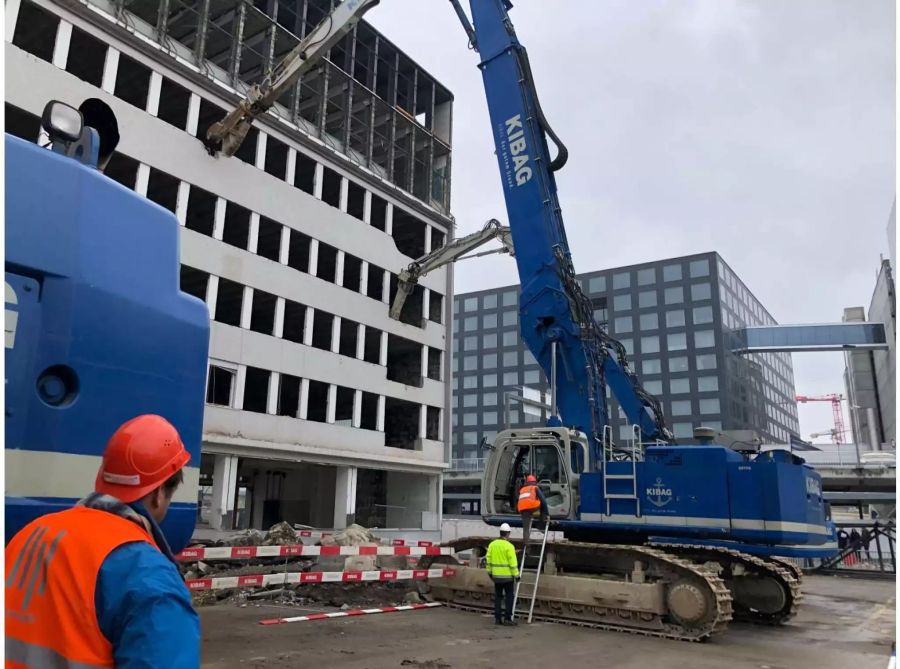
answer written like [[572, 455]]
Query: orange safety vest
[[528, 498], [52, 567]]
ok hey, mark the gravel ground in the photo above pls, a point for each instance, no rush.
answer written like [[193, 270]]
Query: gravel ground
[[843, 624]]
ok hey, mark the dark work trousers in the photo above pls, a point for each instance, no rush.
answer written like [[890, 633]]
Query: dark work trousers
[[503, 590], [527, 518]]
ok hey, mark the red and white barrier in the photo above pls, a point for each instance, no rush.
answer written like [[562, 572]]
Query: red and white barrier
[[313, 534], [344, 614], [289, 578], [299, 550]]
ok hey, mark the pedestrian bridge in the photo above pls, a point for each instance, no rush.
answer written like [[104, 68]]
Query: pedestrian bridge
[[799, 338]]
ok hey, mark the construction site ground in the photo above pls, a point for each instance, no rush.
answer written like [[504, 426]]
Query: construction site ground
[[844, 623]]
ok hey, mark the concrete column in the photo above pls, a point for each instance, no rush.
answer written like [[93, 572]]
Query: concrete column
[[379, 421], [219, 218], [240, 382], [389, 219], [339, 268], [367, 207], [61, 46], [143, 179], [253, 238], [423, 420], [331, 409], [153, 93], [360, 341], [313, 257], [427, 238], [12, 16], [383, 353], [225, 476], [335, 334], [290, 170], [110, 70], [308, 326], [386, 288], [304, 399], [426, 304], [344, 194], [193, 117], [317, 182], [260, 160], [357, 408], [272, 399], [259, 498], [246, 307], [279, 317], [345, 497], [212, 293], [424, 361], [181, 202], [284, 250], [364, 278]]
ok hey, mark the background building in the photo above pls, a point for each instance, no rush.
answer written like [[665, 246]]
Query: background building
[[870, 377], [672, 316], [321, 409]]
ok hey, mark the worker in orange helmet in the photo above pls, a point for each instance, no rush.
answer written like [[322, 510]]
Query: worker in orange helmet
[[97, 585], [531, 504]]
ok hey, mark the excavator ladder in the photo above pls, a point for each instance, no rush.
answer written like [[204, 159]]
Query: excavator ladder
[[532, 563]]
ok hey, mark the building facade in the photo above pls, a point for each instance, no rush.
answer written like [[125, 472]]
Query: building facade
[[870, 377], [673, 317], [321, 410]]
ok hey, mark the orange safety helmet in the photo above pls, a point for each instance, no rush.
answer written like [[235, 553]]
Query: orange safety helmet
[[139, 457], [530, 479]]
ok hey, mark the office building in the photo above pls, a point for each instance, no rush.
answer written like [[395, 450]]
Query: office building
[[673, 316]]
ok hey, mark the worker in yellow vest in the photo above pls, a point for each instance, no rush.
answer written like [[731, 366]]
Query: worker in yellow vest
[[532, 504], [503, 568]]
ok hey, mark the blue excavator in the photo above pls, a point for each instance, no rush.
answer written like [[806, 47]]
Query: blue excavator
[[660, 539]]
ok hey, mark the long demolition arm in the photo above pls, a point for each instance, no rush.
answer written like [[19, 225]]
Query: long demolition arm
[[228, 134], [447, 254], [555, 316]]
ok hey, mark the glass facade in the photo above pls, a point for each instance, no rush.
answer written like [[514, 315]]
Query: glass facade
[[672, 318]]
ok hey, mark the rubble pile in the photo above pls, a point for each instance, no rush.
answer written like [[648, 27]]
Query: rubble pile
[[340, 595]]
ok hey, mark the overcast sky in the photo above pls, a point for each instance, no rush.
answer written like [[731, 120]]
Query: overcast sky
[[764, 130]]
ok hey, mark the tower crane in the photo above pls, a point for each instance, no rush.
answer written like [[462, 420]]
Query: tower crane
[[836, 410]]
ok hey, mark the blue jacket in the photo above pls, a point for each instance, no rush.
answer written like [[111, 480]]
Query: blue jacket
[[144, 608]]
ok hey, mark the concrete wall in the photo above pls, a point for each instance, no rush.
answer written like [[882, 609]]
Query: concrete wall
[[859, 380], [883, 309]]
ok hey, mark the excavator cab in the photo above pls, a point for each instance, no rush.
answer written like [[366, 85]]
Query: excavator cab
[[555, 456]]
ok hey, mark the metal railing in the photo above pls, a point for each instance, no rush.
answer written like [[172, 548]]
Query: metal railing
[[867, 549], [467, 464]]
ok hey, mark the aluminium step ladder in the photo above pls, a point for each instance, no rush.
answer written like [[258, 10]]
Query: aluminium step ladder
[[531, 552]]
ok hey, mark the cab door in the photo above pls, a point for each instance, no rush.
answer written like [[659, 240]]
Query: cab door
[[548, 465]]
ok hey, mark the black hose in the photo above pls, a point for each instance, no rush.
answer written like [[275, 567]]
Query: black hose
[[562, 153]]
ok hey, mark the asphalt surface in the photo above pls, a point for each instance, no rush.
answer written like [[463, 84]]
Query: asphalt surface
[[843, 624]]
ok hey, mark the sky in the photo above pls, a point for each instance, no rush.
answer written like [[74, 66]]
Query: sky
[[764, 130]]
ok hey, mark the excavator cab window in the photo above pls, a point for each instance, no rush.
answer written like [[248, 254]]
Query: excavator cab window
[[545, 461]]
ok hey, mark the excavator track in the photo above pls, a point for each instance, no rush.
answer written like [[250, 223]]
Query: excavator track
[[593, 586], [790, 566], [772, 594]]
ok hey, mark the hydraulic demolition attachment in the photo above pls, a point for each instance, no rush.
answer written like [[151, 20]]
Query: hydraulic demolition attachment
[[455, 250], [228, 134]]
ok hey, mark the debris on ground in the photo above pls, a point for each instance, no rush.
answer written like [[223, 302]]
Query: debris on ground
[[338, 595], [425, 664]]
